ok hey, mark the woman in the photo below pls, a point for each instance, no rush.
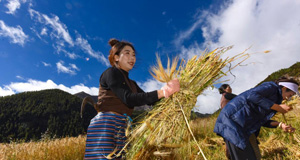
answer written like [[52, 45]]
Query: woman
[[244, 115], [118, 95], [227, 95]]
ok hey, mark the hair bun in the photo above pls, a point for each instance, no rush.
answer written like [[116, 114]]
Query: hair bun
[[113, 41]]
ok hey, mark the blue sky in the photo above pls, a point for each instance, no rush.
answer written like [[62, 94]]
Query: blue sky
[[63, 44], [66, 41]]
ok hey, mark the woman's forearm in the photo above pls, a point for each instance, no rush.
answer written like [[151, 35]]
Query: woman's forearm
[[160, 94], [274, 123], [282, 108]]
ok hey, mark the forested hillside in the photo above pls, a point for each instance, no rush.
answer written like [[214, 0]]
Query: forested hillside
[[51, 113], [292, 71]]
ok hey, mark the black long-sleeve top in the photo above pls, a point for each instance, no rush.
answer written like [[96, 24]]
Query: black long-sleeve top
[[112, 79], [229, 96]]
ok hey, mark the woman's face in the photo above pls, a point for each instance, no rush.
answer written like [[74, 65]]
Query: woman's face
[[228, 89], [287, 94], [126, 59]]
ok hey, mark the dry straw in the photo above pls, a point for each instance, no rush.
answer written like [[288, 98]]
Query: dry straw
[[293, 102], [165, 130], [46, 149]]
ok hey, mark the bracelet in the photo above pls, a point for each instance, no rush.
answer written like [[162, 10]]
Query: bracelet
[[280, 124], [164, 92]]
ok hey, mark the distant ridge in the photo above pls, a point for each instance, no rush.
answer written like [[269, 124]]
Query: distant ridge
[[83, 95], [293, 71], [195, 115]]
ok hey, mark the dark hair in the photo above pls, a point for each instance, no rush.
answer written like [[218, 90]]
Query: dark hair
[[116, 48], [285, 79], [222, 88]]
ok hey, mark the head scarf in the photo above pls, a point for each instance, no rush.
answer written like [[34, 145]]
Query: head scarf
[[291, 86]]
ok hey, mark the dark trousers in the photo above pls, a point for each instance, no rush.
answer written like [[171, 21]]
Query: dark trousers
[[239, 154]]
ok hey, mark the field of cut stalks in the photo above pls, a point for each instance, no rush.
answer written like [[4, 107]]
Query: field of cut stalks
[[46, 149]]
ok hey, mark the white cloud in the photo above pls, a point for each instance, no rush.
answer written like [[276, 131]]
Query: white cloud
[[6, 91], [71, 55], [20, 77], [15, 34], [74, 67], [60, 49], [208, 101], [150, 85], [59, 30], [262, 24], [46, 64], [69, 70], [184, 35], [13, 5], [44, 31], [190, 52], [89, 77], [36, 85], [38, 34], [86, 47]]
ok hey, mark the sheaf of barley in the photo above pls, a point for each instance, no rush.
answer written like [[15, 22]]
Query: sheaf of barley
[[165, 129]]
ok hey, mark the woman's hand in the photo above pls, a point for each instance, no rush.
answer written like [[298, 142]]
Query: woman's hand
[[171, 87], [287, 128], [285, 108]]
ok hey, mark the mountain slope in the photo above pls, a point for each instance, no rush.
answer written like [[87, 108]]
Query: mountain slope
[[51, 113], [292, 71]]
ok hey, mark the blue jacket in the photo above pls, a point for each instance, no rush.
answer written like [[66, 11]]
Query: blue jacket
[[247, 112]]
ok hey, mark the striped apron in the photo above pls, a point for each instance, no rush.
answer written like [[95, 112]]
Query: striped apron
[[106, 133]]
